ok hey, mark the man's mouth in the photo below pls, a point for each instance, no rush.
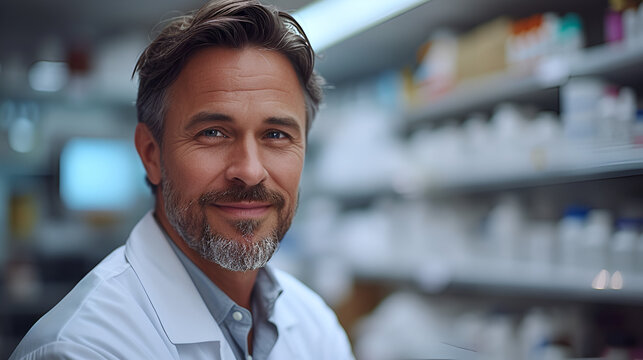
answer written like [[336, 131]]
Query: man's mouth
[[244, 210]]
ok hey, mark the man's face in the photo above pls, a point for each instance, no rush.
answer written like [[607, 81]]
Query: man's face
[[232, 154]]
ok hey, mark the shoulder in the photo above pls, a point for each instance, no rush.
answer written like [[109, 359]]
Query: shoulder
[[107, 298]]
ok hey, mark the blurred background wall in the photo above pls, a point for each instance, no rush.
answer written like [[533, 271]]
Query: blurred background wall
[[472, 186]]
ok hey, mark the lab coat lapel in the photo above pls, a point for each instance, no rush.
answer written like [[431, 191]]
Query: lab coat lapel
[[288, 345], [178, 304]]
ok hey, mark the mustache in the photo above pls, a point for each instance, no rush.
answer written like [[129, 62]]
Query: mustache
[[241, 193]]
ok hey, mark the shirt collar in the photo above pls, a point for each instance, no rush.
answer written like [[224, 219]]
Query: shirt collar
[[266, 289]]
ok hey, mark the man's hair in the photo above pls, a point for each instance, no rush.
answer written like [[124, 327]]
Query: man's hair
[[226, 23]]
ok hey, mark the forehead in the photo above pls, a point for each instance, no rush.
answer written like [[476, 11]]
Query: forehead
[[231, 72]]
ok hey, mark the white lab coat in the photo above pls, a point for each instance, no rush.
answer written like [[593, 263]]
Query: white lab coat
[[140, 303]]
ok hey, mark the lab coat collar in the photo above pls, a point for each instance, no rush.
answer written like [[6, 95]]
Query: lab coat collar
[[180, 309], [176, 300], [283, 318]]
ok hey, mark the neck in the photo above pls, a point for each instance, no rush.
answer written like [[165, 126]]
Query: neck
[[237, 285]]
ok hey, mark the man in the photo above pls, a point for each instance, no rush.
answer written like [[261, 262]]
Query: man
[[226, 98]]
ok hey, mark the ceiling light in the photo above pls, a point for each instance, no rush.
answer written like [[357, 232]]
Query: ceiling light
[[327, 22]]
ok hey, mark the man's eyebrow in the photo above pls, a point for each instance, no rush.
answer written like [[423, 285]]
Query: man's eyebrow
[[284, 121], [205, 117]]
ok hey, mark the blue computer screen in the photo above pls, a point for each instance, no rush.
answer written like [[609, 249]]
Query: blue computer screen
[[99, 174]]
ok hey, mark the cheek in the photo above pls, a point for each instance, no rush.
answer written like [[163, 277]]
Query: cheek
[[195, 171], [287, 173]]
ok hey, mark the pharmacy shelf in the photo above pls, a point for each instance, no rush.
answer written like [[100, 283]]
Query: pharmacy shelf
[[620, 61], [551, 168], [394, 44], [508, 278], [598, 164], [85, 100], [537, 85], [482, 94]]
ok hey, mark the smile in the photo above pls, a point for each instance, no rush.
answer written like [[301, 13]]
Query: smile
[[244, 209]]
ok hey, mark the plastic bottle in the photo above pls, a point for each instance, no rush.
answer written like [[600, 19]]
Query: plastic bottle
[[570, 235], [437, 72], [505, 227], [551, 24], [598, 231], [579, 103], [508, 122], [623, 246], [571, 33], [546, 128], [537, 37], [607, 114], [637, 129], [625, 115], [514, 45], [630, 26], [613, 27]]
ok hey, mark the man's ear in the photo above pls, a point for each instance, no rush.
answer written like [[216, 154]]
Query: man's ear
[[149, 151]]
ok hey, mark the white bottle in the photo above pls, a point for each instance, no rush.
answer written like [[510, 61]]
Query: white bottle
[[505, 228], [625, 115], [637, 130], [535, 329], [606, 121], [622, 247], [598, 232], [544, 129], [630, 27], [570, 236], [579, 106], [508, 124], [550, 28]]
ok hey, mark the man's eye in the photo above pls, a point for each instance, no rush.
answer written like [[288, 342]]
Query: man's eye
[[276, 135], [212, 133]]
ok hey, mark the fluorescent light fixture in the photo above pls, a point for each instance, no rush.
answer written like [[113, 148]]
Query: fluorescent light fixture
[[327, 22]]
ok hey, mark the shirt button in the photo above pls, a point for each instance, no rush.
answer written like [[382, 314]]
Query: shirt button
[[237, 315], [249, 357]]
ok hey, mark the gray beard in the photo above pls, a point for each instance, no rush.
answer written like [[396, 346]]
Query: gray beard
[[230, 254]]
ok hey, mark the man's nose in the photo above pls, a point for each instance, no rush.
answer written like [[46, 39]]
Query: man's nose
[[245, 164]]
